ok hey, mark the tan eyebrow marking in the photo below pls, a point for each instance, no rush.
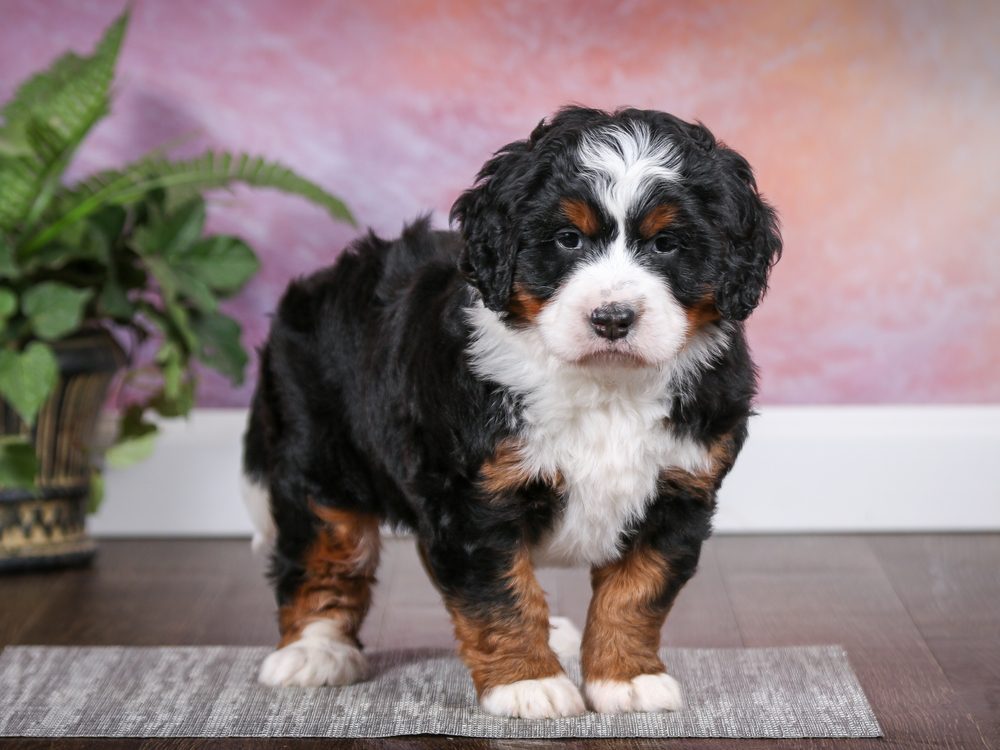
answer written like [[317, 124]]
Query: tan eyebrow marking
[[581, 214], [657, 219]]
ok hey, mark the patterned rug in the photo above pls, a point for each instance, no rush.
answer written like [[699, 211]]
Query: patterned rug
[[213, 692]]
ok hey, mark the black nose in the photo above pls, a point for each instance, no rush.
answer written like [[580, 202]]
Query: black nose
[[612, 321]]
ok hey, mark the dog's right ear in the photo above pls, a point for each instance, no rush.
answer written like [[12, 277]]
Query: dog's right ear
[[488, 215]]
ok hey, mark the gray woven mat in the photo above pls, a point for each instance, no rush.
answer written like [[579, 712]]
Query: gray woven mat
[[212, 692]]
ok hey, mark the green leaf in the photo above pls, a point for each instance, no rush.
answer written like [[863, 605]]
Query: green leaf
[[95, 239], [27, 378], [101, 234], [173, 320], [131, 450], [54, 256], [173, 233], [222, 262], [54, 309], [176, 281], [113, 301], [96, 495], [180, 325], [196, 291], [8, 306], [219, 345], [164, 242], [12, 148], [179, 405], [171, 362], [18, 464], [136, 440], [46, 120], [8, 261], [209, 171]]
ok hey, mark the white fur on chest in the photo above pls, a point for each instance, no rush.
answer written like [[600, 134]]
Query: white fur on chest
[[610, 450], [602, 430]]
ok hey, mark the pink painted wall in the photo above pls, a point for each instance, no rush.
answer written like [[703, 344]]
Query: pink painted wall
[[873, 126]]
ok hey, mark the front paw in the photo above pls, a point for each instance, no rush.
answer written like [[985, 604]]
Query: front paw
[[547, 698], [647, 692], [321, 656]]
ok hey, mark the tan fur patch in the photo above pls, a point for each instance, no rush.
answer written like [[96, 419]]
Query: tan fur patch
[[702, 313], [705, 484], [523, 305], [505, 472], [657, 219], [509, 646], [582, 215], [339, 573], [622, 635]]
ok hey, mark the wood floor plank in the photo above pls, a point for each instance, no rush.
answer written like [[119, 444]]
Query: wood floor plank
[[832, 589], [950, 585], [23, 598]]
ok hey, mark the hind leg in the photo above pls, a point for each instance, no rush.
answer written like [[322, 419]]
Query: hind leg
[[324, 568]]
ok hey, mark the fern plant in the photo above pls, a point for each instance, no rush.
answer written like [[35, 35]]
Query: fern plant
[[124, 249]]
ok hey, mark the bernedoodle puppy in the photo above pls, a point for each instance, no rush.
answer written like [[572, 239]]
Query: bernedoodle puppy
[[564, 381]]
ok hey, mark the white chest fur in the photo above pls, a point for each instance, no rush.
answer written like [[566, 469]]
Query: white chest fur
[[602, 430], [610, 448]]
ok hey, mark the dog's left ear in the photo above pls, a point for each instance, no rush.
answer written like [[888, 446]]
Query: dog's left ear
[[753, 241], [489, 219]]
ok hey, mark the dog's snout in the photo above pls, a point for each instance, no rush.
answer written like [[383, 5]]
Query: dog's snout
[[613, 320]]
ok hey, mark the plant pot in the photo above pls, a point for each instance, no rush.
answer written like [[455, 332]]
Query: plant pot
[[46, 527]]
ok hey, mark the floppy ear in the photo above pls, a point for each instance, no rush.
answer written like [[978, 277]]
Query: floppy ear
[[753, 242], [488, 216]]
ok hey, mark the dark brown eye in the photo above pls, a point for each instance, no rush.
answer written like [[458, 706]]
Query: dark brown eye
[[663, 244], [567, 239]]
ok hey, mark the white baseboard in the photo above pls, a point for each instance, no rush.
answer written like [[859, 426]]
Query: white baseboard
[[804, 469]]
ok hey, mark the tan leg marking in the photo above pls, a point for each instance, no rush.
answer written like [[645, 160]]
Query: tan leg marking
[[508, 646], [339, 574], [319, 625], [622, 635]]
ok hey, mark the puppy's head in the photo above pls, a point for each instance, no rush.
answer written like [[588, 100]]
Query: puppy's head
[[618, 236]]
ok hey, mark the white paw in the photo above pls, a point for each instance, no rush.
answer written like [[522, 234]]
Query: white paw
[[647, 692], [548, 698], [313, 660], [564, 638]]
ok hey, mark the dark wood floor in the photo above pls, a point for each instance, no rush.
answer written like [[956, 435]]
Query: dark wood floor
[[919, 616]]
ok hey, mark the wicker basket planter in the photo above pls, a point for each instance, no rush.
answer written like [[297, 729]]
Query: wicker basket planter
[[47, 527]]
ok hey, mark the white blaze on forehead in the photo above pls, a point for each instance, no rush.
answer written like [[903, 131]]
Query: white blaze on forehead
[[624, 161]]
